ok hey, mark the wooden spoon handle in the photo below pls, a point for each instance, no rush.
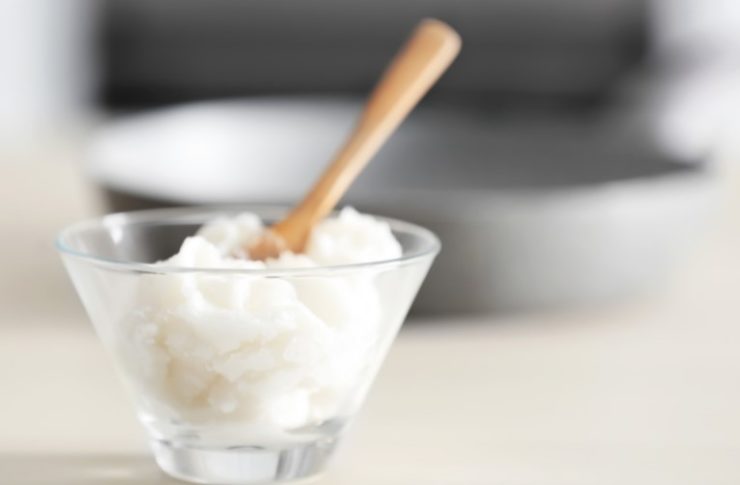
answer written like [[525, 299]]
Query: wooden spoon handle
[[428, 53]]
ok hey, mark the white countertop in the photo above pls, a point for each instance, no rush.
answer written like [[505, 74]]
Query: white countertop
[[645, 393]]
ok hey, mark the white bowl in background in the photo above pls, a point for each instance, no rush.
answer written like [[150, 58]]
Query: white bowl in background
[[533, 211]]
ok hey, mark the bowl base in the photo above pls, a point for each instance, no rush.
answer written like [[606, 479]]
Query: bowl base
[[242, 465]]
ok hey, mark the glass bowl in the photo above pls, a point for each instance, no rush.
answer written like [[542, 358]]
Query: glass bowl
[[239, 375]]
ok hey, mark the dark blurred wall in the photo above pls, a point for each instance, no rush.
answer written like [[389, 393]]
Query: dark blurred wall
[[518, 51]]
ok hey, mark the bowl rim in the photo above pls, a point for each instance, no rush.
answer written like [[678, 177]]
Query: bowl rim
[[697, 166], [430, 246]]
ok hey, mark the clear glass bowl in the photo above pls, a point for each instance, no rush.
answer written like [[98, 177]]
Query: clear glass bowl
[[239, 375]]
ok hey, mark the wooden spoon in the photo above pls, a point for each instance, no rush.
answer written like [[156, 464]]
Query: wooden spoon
[[428, 53]]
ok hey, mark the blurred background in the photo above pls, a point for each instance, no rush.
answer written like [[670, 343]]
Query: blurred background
[[567, 155], [578, 159]]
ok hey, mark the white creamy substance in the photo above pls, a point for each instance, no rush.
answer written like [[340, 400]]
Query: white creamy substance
[[271, 353]]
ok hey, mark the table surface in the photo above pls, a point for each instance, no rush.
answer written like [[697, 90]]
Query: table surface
[[640, 393]]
